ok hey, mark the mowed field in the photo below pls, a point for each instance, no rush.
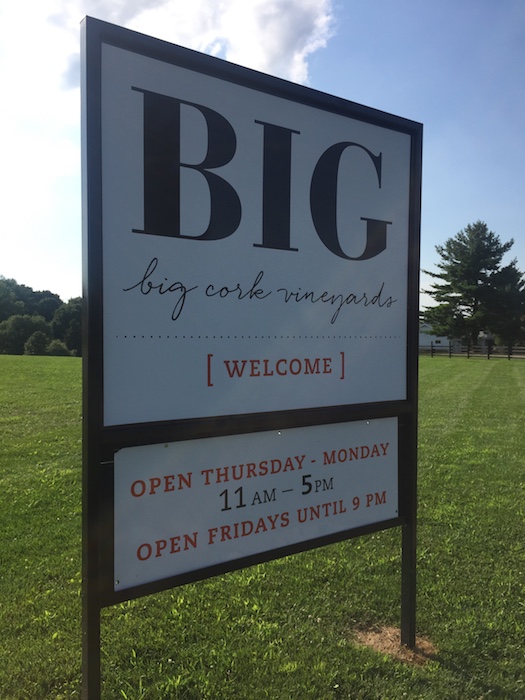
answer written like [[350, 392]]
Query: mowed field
[[289, 629]]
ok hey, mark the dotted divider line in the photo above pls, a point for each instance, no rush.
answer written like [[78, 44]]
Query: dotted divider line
[[258, 337]]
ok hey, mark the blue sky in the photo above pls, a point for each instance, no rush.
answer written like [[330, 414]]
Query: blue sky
[[457, 66]]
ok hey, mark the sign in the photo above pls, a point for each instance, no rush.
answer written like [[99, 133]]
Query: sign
[[185, 506], [255, 245], [251, 259]]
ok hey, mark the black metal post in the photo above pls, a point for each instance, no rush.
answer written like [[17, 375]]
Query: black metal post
[[408, 586], [409, 537], [91, 679]]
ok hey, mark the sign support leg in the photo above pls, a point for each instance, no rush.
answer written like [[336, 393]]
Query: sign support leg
[[409, 540], [408, 585], [90, 650]]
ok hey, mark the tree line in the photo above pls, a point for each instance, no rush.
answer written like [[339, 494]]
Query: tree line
[[38, 323], [474, 292]]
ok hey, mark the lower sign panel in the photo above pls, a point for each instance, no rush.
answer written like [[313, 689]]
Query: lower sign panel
[[185, 506]]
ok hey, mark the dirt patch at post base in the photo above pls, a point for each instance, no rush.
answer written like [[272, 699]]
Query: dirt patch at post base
[[387, 640]]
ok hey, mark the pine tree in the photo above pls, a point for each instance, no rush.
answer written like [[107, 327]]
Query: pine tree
[[474, 292]]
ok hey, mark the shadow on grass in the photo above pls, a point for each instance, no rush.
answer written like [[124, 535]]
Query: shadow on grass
[[387, 640]]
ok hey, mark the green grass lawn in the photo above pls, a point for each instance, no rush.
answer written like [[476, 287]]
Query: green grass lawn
[[285, 629]]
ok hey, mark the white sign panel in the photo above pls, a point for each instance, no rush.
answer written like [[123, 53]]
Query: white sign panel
[[184, 506], [254, 249]]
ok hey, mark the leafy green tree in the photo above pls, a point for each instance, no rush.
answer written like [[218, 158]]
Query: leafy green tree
[[18, 299], [36, 344], [16, 331], [46, 306], [67, 324], [506, 306], [473, 292], [9, 303]]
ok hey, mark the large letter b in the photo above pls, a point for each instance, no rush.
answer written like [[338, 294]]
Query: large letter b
[[162, 164]]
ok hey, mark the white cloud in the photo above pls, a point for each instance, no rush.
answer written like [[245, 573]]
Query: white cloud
[[273, 36], [39, 58]]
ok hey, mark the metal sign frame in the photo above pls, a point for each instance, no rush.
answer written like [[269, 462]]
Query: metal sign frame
[[101, 442]]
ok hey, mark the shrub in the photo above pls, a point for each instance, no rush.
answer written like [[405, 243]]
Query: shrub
[[57, 347], [36, 344]]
